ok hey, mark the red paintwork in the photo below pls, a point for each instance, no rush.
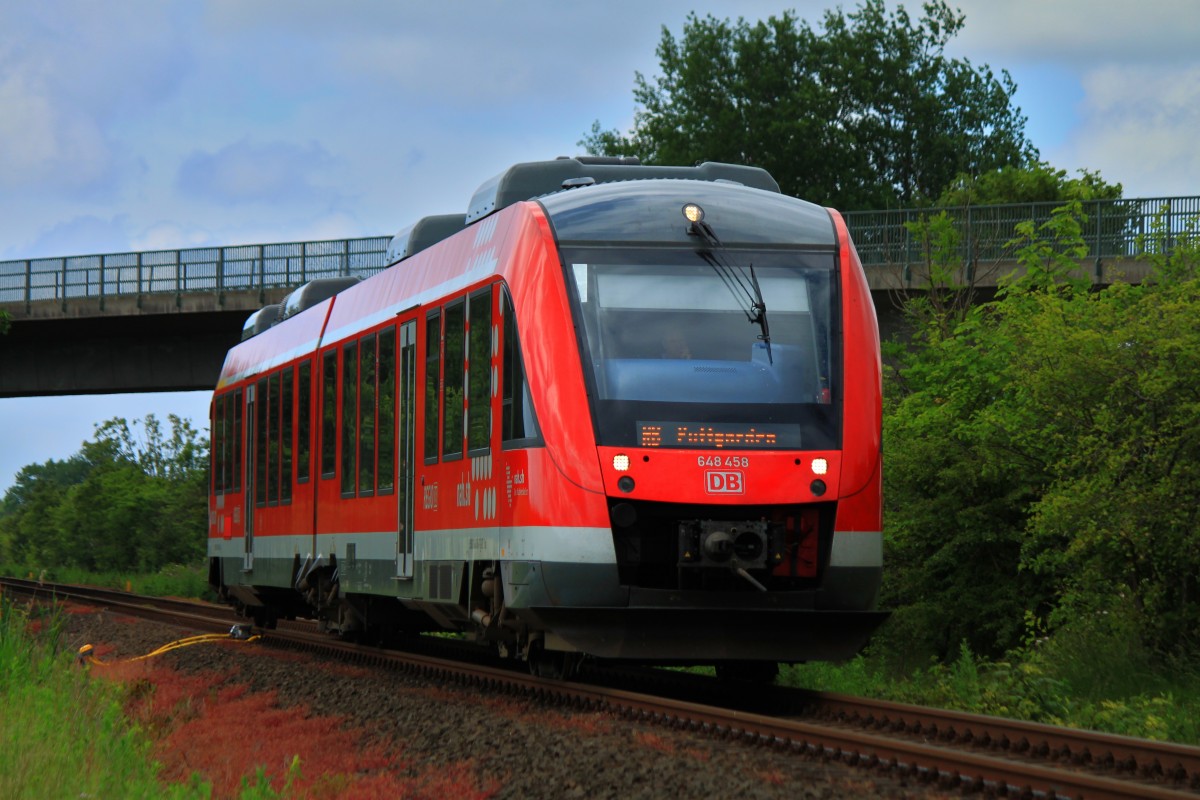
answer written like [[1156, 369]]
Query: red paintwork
[[862, 408], [677, 476], [565, 483]]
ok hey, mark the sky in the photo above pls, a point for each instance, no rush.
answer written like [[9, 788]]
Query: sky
[[143, 124]]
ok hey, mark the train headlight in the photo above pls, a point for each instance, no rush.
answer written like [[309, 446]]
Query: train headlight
[[820, 466], [621, 463], [693, 212]]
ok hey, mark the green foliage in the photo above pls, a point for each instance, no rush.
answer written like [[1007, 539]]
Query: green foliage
[[1173, 254], [62, 735], [173, 580], [1040, 450], [1052, 680], [1035, 182], [946, 288], [260, 787], [1049, 253], [126, 502], [868, 112], [948, 240], [5, 322]]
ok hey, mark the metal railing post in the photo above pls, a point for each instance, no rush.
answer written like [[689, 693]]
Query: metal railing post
[[28, 285]]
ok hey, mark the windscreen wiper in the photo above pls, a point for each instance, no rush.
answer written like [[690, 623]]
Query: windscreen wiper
[[742, 283]]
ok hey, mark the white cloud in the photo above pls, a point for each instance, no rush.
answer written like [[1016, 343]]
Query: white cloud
[[67, 72], [1138, 125], [1079, 32], [247, 171], [37, 429], [43, 142], [86, 234], [172, 236], [144, 124]]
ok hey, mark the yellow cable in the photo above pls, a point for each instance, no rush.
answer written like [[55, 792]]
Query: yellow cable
[[84, 655]]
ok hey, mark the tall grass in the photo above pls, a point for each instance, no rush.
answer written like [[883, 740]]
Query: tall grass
[[64, 734], [1090, 673], [61, 734], [173, 580]]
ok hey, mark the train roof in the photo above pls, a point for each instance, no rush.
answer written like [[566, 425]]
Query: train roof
[[537, 178], [313, 292], [547, 181], [260, 320], [423, 233], [651, 212]]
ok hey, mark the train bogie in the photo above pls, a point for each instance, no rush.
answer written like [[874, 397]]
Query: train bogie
[[622, 411]]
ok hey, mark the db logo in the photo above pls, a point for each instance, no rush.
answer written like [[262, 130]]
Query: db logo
[[728, 482]]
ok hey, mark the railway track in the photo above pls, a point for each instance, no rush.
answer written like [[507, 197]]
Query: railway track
[[952, 750]]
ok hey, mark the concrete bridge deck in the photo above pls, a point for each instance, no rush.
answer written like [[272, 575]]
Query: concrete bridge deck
[[163, 320]]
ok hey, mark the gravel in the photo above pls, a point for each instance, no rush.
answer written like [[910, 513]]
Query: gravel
[[495, 745]]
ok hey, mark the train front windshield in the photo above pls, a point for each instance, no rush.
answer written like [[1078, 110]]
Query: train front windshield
[[681, 355]]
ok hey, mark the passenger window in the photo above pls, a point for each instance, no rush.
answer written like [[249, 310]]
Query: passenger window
[[349, 417], [220, 446], [328, 413], [303, 422], [387, 410], [366, 417], [479, 380], [455, 380], [433, 373], [273, 439], [237, 440], [516, 412], [260, 444], [286, 415]]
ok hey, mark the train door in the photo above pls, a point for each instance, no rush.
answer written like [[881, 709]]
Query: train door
[[405, 445], [251, 477]]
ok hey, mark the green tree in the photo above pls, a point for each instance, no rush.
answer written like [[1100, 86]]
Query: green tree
[[1042, 455], [1035, 182], [944, 279], [866, 113], [36, 491], [1117, 526], [133, 498]]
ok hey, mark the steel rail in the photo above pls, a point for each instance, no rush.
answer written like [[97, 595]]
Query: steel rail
[[950, 768], [1151, 759]]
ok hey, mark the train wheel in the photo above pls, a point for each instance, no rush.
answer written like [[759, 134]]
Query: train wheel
[[748, 671], [553, 664], [265, 618]]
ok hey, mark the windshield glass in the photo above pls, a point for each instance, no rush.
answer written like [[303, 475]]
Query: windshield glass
[[679, 358]]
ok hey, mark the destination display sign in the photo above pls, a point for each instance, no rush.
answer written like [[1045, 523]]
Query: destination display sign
[[718, 435]]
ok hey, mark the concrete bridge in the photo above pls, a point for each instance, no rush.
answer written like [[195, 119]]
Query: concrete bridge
[[151, 321], [163, 320]]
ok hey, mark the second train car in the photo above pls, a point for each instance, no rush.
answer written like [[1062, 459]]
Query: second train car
[[614, 410]]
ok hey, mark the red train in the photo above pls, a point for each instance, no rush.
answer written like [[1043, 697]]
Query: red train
[[616, 410]]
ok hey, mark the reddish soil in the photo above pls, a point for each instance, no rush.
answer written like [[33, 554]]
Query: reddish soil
[[227, 711]]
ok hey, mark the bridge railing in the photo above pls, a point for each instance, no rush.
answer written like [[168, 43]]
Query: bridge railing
[[193, 270], [1113, 229]]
